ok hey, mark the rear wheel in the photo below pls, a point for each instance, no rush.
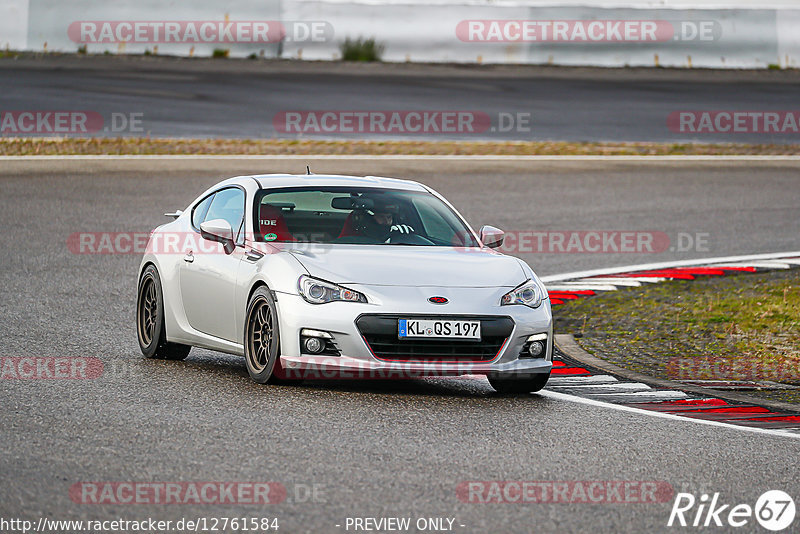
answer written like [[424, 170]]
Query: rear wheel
[[520, 385], [150, 320]]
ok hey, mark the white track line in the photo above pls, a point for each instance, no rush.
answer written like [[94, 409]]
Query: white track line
[[274, 157], [640, 279], [591, 402], [616, 388], [646, 396], [558, 381], [625, 282], [667, 265], [759, 264], [576, 286]]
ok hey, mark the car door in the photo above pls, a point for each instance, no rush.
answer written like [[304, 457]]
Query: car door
[[208, 274]]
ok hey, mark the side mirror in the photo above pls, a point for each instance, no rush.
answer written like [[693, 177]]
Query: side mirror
[[218, 230], [492, 237]]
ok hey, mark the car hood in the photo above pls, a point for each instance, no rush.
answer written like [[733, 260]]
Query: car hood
[[397, 265]]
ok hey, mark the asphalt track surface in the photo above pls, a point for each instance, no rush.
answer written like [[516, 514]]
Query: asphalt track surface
[[375, 449], [240, 98]]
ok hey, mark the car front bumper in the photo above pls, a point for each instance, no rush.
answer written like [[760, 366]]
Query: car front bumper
[[356, 359]]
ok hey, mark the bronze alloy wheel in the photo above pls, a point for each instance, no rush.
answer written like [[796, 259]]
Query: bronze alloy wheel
[[150, 320], [262, 338], [260, 334], [147, 312]]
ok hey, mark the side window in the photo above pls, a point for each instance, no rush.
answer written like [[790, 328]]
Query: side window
[[199, 212], [227, 204]]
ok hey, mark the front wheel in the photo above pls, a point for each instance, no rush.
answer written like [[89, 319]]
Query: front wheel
[[529, 384], [150, 320], [262, 337]]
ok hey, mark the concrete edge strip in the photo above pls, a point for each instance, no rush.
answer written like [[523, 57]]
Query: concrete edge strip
[[424, 157], [639, 411], [566, 343]]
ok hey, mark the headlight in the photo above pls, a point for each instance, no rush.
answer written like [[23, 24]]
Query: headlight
[[530, 294], [318, 291]]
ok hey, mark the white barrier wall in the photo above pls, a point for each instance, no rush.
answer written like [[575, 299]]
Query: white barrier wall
[[14, 24], [742, 36], [735, 38], [788, 38], [49, 23]]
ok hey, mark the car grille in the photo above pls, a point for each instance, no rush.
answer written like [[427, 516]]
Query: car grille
[[380, 334]]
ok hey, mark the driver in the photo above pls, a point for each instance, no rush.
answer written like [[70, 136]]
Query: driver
[[379, 222]]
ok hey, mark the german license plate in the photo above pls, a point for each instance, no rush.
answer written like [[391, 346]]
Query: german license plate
[[445, 328]]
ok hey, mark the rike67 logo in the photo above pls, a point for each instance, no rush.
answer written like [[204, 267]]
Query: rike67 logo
[[774, 510]]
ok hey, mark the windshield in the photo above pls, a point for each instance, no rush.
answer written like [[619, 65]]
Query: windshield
[[357, 216]]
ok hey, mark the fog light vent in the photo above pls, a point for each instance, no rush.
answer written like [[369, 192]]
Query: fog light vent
[[535, 347], [314, 345], [318, 342]]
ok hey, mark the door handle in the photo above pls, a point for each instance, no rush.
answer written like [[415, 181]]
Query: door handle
[[189, 258]]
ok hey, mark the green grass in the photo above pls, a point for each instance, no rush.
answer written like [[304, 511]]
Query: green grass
[[739, 327], [361, 49]]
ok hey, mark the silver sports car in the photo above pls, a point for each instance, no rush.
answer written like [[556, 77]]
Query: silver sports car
[[320, 276]]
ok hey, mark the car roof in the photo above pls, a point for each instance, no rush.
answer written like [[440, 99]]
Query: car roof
[[270, 181]]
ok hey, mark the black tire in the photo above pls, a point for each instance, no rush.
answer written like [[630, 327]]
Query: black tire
[[529, 384], [262, 338], [150, 320]]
